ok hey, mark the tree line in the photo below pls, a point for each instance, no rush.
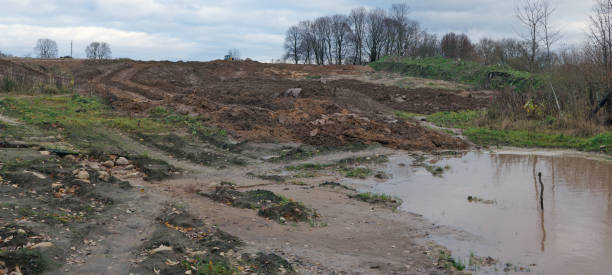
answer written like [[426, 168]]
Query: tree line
[[580, 75], [357, 38], [365, 36], [46, 48]]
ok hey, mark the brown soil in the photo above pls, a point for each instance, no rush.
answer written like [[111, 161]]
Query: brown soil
[[253, 101]]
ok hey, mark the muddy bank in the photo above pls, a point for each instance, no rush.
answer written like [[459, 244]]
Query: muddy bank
[[266, 102]]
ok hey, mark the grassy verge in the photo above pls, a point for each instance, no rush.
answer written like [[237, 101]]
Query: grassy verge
[[86, 121], [467, 72], [481, 131]]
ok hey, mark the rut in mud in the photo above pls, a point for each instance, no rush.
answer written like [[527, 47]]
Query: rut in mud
[[266, 102]]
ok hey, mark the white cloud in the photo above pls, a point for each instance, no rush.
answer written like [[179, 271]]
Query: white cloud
[[205, 29], [152, 46]]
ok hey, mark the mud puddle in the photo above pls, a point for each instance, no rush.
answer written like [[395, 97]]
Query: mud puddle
[[504, 219]]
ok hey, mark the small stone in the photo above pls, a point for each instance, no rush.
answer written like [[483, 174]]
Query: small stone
[[129, 167], [104, 176], [42, 245], [83, 175], [45, 153], [122, 161], [94, 166], [70, 157], [108, 163], [21, 231]]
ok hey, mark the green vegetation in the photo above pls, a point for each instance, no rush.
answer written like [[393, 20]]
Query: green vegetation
[[358, 172], [88, 123], [468, 72], [374, 198], [450, 263], [461, 119], [212, 265], [333, 184], [406, 115], [435, 170], [344, 166], [267, 203], [479, 129]]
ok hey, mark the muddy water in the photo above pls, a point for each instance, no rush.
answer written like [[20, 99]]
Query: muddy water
[[572, 234]]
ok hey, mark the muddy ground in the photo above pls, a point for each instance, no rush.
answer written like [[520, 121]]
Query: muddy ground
[[262, 199]]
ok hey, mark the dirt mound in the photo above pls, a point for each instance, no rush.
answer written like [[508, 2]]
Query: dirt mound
[[271, 102]]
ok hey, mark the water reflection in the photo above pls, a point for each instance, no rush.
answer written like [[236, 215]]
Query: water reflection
[[562, 226]]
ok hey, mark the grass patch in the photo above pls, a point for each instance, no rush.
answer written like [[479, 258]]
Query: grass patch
[[271, 263], [449, 263], [85, 120], [358, 172], [543, 136], [435, 170], [462, 71], [462, 119], [374, 198], [522, 138], [333, 184], [267, 203], [406, 115]]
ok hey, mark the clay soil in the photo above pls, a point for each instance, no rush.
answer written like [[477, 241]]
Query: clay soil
[[316, 105], [157, 224]]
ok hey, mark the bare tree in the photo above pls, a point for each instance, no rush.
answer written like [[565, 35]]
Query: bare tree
[[399, 13], [46, 48], [308, 41], [601, 33], [550, 34], [321, 34], [375, 32], [293, 43], [490, 51], [531, 14], [428, 45], [341, 32], [357, 19], [98, 51]]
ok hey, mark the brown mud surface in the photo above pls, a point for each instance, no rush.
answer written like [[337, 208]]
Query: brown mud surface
[[270, 102], [264, 201]]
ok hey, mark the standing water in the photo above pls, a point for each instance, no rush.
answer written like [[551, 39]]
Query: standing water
[[572, 234]]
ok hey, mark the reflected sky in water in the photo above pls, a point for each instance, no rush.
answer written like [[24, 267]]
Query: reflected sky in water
[[572, 234]]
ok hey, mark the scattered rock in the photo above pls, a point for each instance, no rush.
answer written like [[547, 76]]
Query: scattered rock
[[38, 175], [122, 161], [104, 176], [83, 175], [314, 132], [94, 166], [129, 167], [45, 153], [70, 157], [42, 245], [294, 92], [161, 248], [108, 163]]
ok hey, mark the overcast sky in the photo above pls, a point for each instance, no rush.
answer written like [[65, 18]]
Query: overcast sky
[[205, 30]]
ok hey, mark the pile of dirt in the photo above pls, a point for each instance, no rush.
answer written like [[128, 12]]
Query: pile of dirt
[[50, 204], [182, 243], [269, 204], [272, 102]]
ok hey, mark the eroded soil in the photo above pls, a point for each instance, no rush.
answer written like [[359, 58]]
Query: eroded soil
[[141, 202]]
